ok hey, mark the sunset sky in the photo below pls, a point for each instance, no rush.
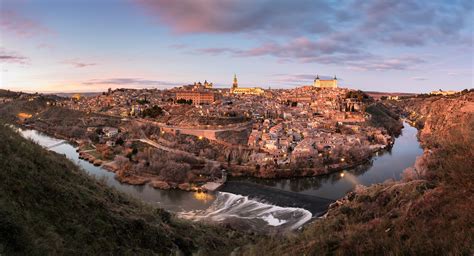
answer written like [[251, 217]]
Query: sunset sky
[[91, 45]]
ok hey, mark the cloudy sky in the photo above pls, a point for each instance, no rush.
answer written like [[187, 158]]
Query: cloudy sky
[[91, 45]]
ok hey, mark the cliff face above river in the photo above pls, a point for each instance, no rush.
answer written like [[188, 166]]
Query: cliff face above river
[[439, 116], [428, 212]]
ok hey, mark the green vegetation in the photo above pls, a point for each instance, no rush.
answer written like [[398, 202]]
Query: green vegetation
[[152, 112], [383, 117], [143, 101], [183, 101], [359, 95], [50, 207]]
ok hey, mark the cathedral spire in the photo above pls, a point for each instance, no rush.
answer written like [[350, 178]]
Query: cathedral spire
[[235, 83]]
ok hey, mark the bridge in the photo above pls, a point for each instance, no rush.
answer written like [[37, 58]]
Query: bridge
[[56, 144]]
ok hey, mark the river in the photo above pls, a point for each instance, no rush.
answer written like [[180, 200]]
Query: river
[[386, 165], [279, 204]]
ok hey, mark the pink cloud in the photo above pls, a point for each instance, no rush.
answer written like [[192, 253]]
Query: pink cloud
[[217, 16], [79, 64], [13, 22], [12, 57]]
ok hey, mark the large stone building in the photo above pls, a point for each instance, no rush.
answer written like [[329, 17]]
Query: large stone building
[[325, 83], [197, 97], [206, 85], [251, 90]]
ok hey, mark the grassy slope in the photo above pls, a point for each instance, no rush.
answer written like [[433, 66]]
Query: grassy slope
[[49, 206], [431, 215], [383, 117]]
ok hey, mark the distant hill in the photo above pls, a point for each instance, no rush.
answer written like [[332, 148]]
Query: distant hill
[[377, 95], [48, 206], [70, 94], [8, 93]]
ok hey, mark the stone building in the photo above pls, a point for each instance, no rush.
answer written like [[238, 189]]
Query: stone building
[[197, 97], [325, 83], [251, 90]]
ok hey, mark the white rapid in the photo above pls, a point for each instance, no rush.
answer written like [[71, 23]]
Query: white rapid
[[240, 210]]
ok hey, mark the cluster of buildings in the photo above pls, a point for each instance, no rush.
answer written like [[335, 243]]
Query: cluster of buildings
[[307, 122], [126, 102], [120, 102], [288, 124]]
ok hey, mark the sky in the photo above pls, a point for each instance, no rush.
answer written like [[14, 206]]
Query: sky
[[92, 45]]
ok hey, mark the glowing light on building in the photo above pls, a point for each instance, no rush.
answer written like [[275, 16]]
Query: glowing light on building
[[23, 115]]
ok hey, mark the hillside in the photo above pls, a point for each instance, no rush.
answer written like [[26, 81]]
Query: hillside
[[50, 207], [384, 117], [429, 212]]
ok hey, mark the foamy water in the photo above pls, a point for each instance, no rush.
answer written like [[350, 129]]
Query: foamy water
[[231, 207]]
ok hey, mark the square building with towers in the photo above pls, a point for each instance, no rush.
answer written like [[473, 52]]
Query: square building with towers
[[325, 83]]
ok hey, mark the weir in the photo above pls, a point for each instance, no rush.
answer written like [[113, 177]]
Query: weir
[[249, 214], [316, 205]]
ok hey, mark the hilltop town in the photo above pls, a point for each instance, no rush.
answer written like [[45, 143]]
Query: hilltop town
[[186, 136]]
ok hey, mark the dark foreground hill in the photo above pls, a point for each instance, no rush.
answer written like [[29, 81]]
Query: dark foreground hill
[[50, 207]]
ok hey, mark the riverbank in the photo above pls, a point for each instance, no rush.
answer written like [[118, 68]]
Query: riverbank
[[179, 201], [124, 176], [195, 167], [124, 173], [428, 212], [379, 174]]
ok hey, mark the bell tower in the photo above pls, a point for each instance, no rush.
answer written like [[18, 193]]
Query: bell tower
[[235, 84]]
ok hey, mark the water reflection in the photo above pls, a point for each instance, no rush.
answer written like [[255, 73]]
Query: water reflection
[[205, 197], [172, 200], [387, 165]]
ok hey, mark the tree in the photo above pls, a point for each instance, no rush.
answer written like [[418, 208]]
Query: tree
[[175, 172], [122, 162], [94, 137], [119, 141], [143, 101], [152, 112], [183, 101], [99, 131]]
